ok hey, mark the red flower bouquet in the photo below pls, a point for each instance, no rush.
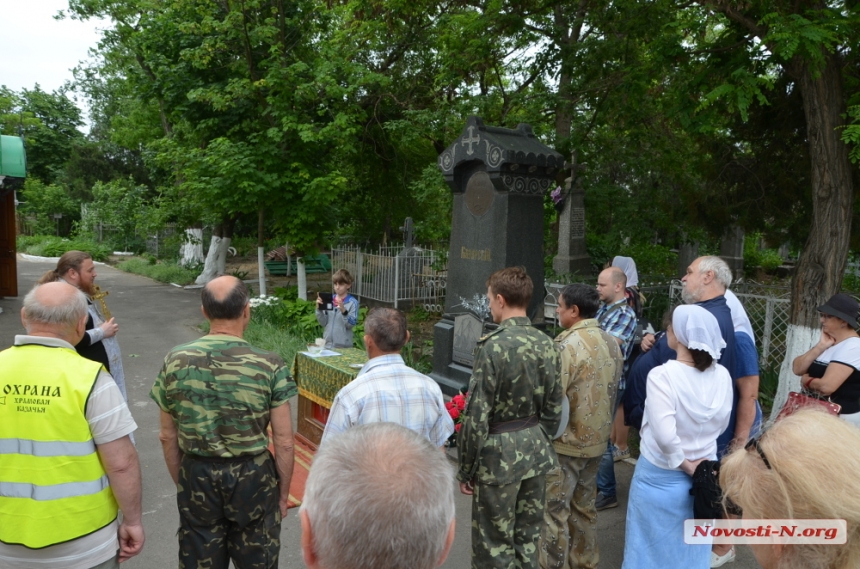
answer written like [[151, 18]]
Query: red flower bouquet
[[455, 408]]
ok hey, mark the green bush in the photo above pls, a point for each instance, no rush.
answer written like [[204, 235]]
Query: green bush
[[162, 272], [285, 311], [653, 260], [52, 246], [767, 259]]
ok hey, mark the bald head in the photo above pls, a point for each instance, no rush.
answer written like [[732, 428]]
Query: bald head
[[56, 310], [379, 496], [611, 284], [224, 298]]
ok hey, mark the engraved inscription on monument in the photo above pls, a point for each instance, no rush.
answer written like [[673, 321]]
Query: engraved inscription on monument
[[479, 193], [577, 222], [467, 331], [476, 254]]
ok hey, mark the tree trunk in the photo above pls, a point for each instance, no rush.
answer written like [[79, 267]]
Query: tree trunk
[[210, 266], [301, 278], [821, 266], [563, 120], [261, 243], [226, 234], [191, 251]]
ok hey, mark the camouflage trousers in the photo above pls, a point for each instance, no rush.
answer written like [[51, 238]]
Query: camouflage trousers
[[506, 522], [228, 510], [569, 534]]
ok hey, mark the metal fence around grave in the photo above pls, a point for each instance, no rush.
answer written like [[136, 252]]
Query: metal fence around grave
[[392, 275]]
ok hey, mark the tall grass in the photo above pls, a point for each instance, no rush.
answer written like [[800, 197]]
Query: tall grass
[[162, 272], [768, 382], [269, 337]]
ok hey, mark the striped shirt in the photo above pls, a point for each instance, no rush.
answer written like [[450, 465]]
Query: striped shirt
[[619, 320], [386, 390]]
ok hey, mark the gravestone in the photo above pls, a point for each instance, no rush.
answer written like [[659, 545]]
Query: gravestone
[[687, 253], [410, 263], [499, 178], [732, 249], [467, 330], [572, 257]]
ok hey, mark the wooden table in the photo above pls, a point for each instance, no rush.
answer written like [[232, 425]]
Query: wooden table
[[319, 379]]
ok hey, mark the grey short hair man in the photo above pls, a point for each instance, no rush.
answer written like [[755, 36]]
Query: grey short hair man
[[68, 462], [386, 389], [707, 277], [379, 496]]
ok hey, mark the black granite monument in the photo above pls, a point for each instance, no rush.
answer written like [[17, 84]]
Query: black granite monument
[[499, 177]]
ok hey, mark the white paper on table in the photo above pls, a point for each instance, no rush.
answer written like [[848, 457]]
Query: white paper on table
[[323, 353]]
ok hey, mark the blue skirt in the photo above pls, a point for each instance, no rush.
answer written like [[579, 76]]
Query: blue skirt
[[659, 503]]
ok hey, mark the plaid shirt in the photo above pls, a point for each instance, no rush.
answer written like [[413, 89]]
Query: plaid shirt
[[619, 320], [386, 390]]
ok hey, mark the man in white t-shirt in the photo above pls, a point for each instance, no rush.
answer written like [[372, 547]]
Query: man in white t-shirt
[[66, 460]]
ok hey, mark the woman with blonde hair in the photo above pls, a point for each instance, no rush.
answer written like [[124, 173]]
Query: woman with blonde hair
[[803, 467]]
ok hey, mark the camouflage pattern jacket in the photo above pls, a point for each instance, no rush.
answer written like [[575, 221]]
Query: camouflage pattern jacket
[[591, 365], [220, 390], [515, 376]]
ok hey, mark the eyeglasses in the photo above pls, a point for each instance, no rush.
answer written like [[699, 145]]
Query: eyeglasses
[[753, 443]]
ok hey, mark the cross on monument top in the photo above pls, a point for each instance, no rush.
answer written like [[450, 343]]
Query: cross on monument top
[[473, 139], [408, 230]]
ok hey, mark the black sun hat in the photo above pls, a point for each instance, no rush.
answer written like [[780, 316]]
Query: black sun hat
[[842, 306]]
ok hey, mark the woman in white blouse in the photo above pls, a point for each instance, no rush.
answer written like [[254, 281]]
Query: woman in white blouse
[[689, 400], [832, 367]]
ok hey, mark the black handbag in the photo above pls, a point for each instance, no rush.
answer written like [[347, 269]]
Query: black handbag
[[706, 492]]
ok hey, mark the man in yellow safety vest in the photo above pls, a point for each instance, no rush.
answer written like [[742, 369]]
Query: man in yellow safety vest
[[66, 461]]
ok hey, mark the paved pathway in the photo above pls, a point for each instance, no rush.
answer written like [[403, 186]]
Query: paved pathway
[[153, 318]]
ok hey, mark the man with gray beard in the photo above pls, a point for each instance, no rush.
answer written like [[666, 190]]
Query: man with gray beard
[[705, 284]]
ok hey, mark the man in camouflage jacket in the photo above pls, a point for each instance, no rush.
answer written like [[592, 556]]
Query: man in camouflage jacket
[[513, 409], [591, 365], [218, 396]]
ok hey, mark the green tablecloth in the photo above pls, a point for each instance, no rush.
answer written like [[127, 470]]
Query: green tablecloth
[[319, 379]]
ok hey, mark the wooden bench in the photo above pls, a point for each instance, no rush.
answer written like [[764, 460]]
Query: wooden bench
[[313, 264]]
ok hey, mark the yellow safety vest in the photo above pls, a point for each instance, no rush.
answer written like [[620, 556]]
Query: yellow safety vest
[[53, 487]]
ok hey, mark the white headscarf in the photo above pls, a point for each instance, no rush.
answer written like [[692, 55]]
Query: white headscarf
[[698, 329], [628, 265]]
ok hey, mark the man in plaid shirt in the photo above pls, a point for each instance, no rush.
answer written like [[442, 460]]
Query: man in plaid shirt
[[386, 389], [619, 320]]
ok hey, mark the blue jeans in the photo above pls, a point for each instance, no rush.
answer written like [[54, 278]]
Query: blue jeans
[[606, 471]]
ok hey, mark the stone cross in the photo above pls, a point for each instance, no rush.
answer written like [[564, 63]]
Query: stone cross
[[408, 230], [572, 257]]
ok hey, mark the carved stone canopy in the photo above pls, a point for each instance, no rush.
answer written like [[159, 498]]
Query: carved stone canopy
[[514, 159]]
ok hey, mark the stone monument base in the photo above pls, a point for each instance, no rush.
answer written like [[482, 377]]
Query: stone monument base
[[451, 376]]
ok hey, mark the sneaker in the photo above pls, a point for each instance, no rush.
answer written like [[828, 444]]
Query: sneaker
[[605, 502], [618, 454], [720, 560]]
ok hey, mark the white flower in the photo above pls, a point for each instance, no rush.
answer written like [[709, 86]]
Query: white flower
[[264, 301]]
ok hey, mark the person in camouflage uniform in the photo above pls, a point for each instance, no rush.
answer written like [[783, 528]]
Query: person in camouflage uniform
[[512, 411], [591, 365], [218, 396]]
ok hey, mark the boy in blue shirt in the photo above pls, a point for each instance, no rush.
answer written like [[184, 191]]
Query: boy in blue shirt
[[339, 320]]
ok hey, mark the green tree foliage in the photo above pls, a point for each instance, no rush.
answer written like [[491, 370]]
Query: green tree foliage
[[49, 123], [40, 202]]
